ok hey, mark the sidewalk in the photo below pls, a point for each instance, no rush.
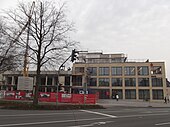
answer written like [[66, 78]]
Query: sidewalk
[[131, 103]]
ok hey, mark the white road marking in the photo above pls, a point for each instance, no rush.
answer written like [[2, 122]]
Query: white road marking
[[98, 113], [50, 122], [161, 124]]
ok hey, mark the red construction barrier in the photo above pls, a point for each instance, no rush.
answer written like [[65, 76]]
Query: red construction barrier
[[51, 97]]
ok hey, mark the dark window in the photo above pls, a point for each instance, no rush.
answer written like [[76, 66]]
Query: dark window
[[104, 71], [15, 80], [143, 82], [143, 70], [67, 80], [9, 80], [130, 82], [157, 82], [43, 81], [157, 94], [116, 81], [92, 71], [129, 70], [130, 94], [49, 81], [116, 70], [77, 80], [55, 80], [144, 94], [92, 82], [103, 81]]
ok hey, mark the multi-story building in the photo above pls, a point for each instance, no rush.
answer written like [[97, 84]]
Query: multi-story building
[[106, 74], [49, 80], [111, 74]]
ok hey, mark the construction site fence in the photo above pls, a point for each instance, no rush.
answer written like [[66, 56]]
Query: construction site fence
[[51, 97]]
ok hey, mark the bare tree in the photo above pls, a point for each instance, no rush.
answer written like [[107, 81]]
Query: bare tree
[[49, 29], [9, 57]]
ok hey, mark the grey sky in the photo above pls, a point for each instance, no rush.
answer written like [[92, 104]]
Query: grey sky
[[138, 28]]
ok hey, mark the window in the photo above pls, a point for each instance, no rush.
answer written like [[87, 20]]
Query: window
[[92, 82], [157, 82], [92, 71], [56, 81], [143, 82], [144, 94], [157, 94], [15, 80], [49, 81], [43, 81], [67, 80], [77, 80], [116, 81], [130, 94], [9, 80], [79, 70], [129, 70], [130, 82], [103, 81], [116, 70], [104, 71], [156, 70], [143, 70]]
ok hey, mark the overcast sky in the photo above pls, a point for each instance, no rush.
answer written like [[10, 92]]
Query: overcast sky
[[138, 28]]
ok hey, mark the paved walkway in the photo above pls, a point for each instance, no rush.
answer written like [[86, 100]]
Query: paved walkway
[[131, 103]]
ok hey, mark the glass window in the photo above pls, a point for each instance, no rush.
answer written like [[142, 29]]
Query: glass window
[[144, 94], [103, 81], [104, 71], [15, 80], [130, 82], [43, 81], [67, 80], [49, 81], [92, 71], [129, 70], [157, 94], [156, 70], [116, 70], [143, 70], [116, 81], [130, 94], [9, 80], [157, 82], [143, 82], [92, 82], [77, 80]]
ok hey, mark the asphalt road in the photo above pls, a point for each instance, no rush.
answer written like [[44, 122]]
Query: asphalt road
[[112, 117]]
